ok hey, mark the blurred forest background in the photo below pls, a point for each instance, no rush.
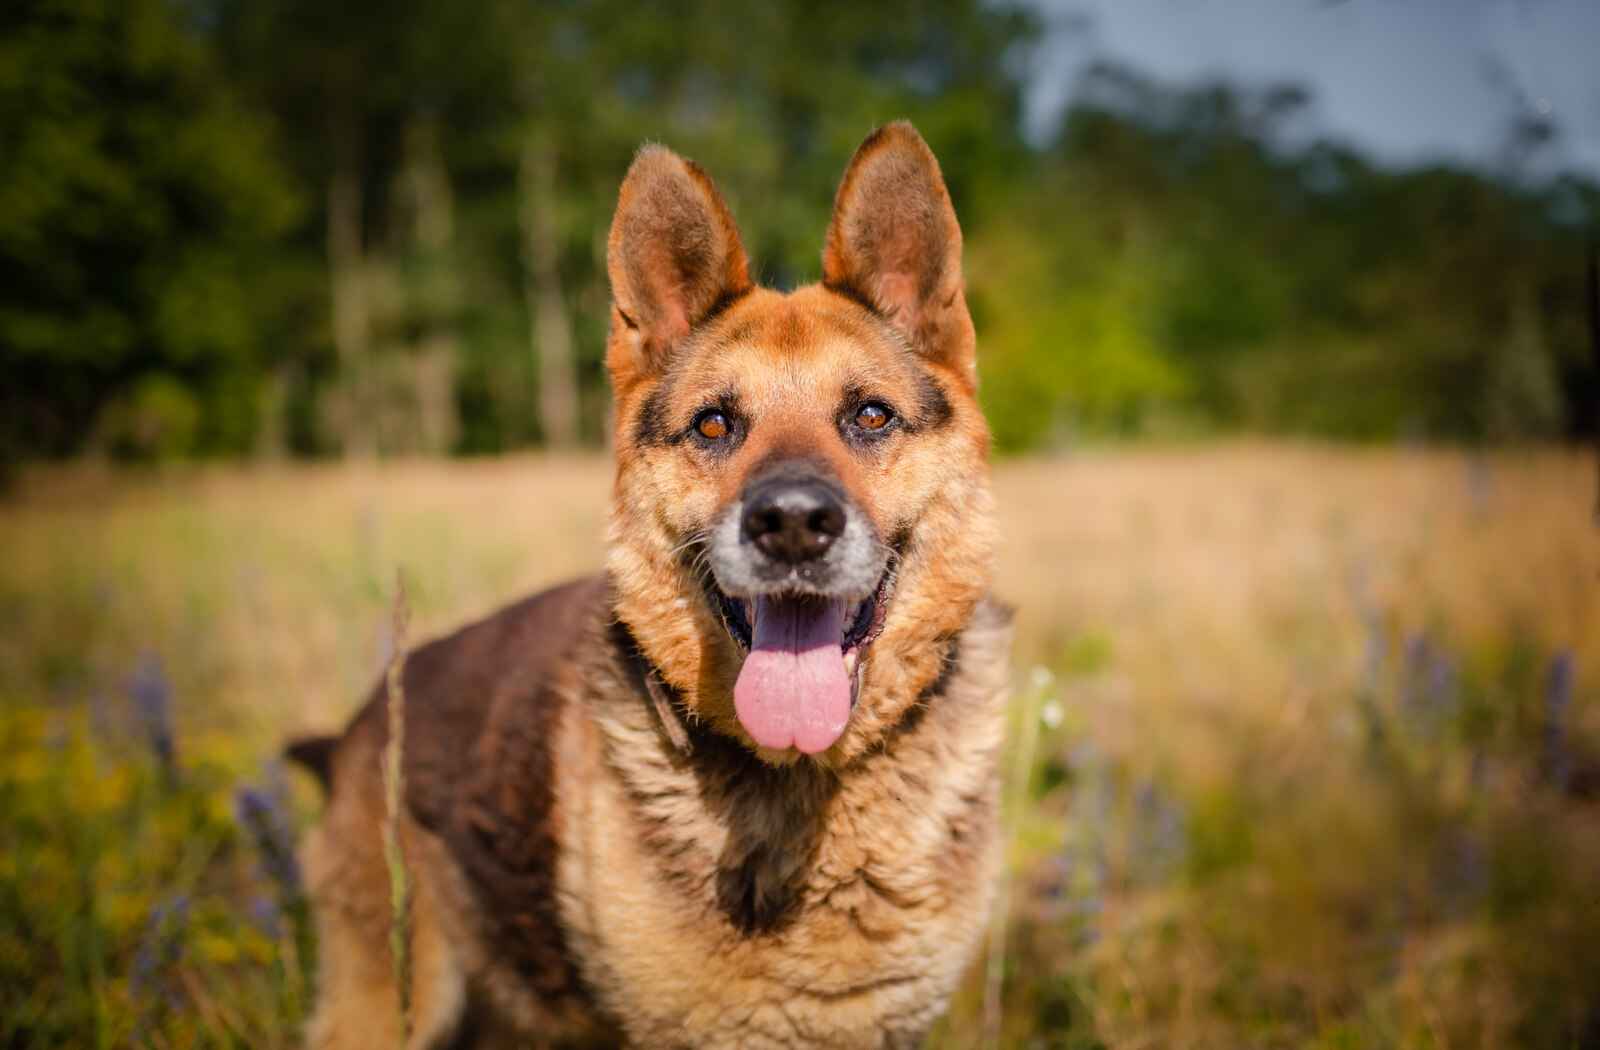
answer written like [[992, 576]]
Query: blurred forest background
[[1305, 751], [266, 228]]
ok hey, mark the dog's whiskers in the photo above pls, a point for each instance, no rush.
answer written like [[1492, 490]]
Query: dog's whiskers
[[697, 538]]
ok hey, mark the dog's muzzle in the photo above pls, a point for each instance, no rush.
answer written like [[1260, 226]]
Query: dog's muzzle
[[801, 579]]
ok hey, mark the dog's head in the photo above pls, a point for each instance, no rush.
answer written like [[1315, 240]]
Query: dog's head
[[801, 522]]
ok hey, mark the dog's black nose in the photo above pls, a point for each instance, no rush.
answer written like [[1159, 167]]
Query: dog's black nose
[[793, 520]]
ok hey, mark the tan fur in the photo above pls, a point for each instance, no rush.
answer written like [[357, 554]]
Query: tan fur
[[892, 876], [601, 852]]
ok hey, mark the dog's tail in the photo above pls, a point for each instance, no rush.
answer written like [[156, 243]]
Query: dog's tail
[[315, 753]]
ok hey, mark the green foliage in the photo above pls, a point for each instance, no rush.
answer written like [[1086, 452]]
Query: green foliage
[[132, 905], [1412, 888], [159, 419], [770, 106], [1168, 262], [1067, 321], [141, 205]]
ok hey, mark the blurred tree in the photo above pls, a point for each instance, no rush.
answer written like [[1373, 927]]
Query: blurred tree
[[140, 203], [330, 72], [275, 225], [1282, 287], [770, 106]]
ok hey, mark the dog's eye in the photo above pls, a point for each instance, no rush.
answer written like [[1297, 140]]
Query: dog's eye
[[712, 425], [872, 416]]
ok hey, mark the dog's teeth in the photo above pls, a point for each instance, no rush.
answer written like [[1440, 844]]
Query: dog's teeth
[[851, 656]]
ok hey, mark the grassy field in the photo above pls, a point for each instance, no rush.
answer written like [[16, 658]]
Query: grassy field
[[1307, 740]]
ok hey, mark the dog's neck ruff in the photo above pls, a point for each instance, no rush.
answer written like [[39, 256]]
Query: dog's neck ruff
[[664, 699]]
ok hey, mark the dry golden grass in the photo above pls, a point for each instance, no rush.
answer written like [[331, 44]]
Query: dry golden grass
[[1199, 562], [1212, 573], [1245, 583], [1279, 684]]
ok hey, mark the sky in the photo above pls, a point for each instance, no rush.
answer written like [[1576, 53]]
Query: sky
[[1408, 81]]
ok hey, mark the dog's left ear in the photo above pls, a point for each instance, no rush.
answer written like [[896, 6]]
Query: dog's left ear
[[894, 243]]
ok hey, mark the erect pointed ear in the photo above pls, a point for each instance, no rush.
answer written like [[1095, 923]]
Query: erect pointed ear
[[895, 244], [673, 256]]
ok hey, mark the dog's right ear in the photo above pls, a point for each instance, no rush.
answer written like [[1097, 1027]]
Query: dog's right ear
[[673, 256]]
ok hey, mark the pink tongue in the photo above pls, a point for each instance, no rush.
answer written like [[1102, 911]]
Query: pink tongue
[[793, 690]]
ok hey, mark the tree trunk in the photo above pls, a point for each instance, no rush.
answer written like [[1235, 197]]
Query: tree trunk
[[1524, 398], [272, 401], [432, 205], [346, 270], [1592, 294], [549, 326]]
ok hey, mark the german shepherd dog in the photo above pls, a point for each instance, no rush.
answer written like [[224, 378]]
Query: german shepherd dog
[[740, 790]]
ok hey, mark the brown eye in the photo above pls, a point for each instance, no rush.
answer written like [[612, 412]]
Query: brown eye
[[712, 426], [872, 416]]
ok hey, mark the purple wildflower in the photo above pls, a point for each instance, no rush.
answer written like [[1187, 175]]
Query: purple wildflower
[[262, 812], [160, 945], [1161, 830], [1442, 682], [266, 915], [1418, 654], [151, 694], [1429, 691], [1085, 855], [1557, 700]]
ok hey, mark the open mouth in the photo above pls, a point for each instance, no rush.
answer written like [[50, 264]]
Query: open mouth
[[864, 623], [803, 661]]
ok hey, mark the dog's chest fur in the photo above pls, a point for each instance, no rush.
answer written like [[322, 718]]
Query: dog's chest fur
[[712, 900], [594, 875], [702, 899]]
